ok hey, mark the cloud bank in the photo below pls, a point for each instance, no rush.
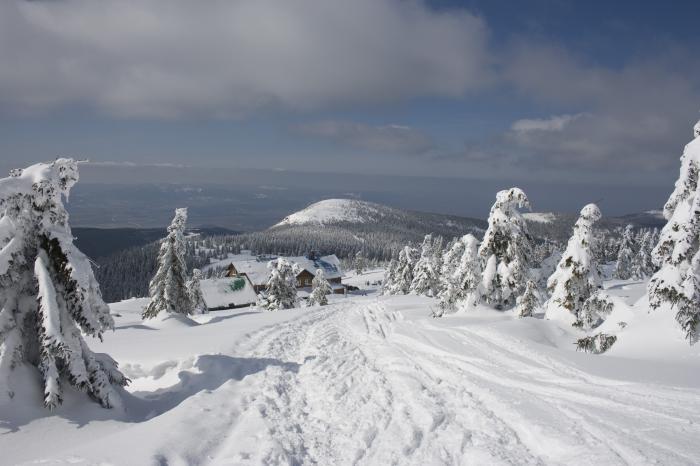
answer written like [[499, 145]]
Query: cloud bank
[[381, 139], [155, 58]]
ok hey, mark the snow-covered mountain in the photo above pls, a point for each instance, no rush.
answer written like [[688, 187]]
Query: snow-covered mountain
[[354, 212], [344, 226], [341, 210]]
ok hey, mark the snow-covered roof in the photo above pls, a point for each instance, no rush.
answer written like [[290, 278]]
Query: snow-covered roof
[[223, 292], [257, 271], [256, 267], [329, 264]]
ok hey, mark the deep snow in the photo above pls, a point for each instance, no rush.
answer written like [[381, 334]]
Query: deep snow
[[375, 380]]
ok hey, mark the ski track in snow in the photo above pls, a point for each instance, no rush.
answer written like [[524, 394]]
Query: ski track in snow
[[355, 383]]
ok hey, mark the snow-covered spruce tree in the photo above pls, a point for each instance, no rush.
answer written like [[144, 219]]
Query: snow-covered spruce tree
[[577, 275], [194, 289], [463, 284], [677, 253], [390, 277], [594, 310], [426, 274], [642, 265], [320, 289], [505, 249], [168, 288], [528, 301], [49, 298], [360, 263], [625, 255], [450, 260], [280, 291], [408, 257]]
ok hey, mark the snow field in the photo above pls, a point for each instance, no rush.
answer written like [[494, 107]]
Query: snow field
[[370, 380]]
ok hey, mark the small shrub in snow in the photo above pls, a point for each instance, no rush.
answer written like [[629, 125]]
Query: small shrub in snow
[[320, 290], [677, 253], [596, 344], [505, 249], [194, 290], [168, 288], [49, 298], [281, 291]]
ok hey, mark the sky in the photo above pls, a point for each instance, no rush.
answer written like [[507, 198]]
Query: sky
[[555, 92]]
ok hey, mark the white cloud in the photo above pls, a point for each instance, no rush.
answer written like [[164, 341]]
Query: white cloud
[[554, 123], [385, 139], [169, 58]]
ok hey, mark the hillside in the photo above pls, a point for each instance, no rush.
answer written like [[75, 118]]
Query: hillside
[[334, 226], [345, 226]]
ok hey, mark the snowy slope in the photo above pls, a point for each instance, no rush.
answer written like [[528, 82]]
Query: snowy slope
[[369, 380], [339, 210]]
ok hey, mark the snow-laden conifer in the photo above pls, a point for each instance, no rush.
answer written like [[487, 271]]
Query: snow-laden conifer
[[642, 265], [360, 263], [168, 288], [594, 310], [426, 273], [388, 283], [677, 251], [194, 289], [625, 254], [320, 289], [49, 298], [450, 259], [577, 275], [459, 285], [527, 302], [280, 291], [505, 249], [408, 257]]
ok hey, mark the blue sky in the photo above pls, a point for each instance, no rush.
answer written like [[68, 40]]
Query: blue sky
[[553, 90]]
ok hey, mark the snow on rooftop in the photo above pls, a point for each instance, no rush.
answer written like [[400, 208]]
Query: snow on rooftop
[[227, 292]]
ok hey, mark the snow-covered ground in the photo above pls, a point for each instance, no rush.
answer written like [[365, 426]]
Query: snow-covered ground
[[374, 380]]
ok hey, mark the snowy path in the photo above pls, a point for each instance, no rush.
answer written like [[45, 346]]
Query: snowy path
[[367, 382], [373, 389]]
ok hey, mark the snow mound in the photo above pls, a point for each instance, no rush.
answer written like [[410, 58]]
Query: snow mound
[[337, 210], [540, 217]]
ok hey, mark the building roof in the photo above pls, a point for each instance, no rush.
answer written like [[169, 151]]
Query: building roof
[[257, 268], [329, 264], [223, 293]]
